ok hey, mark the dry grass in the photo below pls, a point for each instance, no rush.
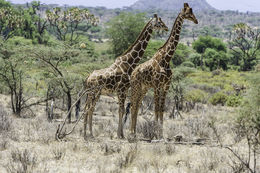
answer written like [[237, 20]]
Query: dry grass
[[28, 145]]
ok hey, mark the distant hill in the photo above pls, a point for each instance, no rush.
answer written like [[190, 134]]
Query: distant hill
[[173, 5]]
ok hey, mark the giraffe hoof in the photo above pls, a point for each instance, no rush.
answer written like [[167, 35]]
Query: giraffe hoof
[[91, 136], [85, 137], [88, 137], [121, 136]]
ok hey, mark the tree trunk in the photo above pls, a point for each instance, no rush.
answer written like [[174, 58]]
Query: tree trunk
[[69, 104], [77, 109]]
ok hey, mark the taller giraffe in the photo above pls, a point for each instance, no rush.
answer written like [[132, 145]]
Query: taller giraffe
[[116, 78], [156, 73]]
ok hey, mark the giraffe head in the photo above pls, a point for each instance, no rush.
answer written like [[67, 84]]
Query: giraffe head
[[158, 24], [188, 14]]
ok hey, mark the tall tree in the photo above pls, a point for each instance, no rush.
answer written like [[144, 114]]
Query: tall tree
[[54, 61], [34, 26], [65, 24], [10, 22], [4, 4], [245, 42], [123, 30]]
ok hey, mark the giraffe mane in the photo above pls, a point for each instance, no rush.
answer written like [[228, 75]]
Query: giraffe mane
[[138, 38], [171, 32]]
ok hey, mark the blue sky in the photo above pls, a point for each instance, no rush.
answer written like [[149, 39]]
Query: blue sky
[[241, 5]]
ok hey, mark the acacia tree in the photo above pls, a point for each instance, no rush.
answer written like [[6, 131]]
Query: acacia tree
[[65, 24], [248, 123], [54, 64], [12, 72], [246, 128], [4, 4], [245, 43], [10, 21], [12, 75], [34, 27]]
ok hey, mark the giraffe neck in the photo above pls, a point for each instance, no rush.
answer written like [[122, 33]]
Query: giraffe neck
[[134, 54], [171, 44]]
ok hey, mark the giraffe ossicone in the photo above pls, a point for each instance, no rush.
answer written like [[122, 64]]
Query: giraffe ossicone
[[116, 78], [156, 72]]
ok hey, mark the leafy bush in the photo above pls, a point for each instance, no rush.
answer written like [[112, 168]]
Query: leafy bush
[[124, 29], [234, 101], [195, 58], [151, 49], [19, 41], [257, 68], [196, 95], [216, 72], [181, 53], [206, 88], [188, 64], [53, 42], [216, 59], [205, 42], [218, 98], [184, 70], [247, 125], [250, 111]]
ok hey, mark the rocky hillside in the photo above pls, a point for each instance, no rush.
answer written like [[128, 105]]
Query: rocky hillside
[[174, 5]]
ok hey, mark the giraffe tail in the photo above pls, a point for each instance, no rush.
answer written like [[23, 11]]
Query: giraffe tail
[[77, 108], [127, 111]]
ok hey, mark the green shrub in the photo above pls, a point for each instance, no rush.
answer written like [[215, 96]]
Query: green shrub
[[184, 70], [196, 95], [53, 42], [218, 98], [188, 64], [234, 101], [195, 58], [19, 41], [216, 72]]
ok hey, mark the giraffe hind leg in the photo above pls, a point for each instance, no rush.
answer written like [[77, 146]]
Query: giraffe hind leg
[[86, 109], [136, 99], [121, 98]]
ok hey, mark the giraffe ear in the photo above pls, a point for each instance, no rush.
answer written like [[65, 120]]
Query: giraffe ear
[[186, 5]]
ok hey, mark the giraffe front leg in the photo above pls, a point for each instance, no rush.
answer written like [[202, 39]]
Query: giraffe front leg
[[157, 130], [162, 108], [162, 103], [121, 100]]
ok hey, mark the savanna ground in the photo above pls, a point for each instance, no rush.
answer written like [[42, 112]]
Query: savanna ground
[[220, 133], [189, 145]]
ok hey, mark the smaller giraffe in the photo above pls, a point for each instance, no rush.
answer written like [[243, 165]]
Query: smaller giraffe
[[156, 73], [116, 78]]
